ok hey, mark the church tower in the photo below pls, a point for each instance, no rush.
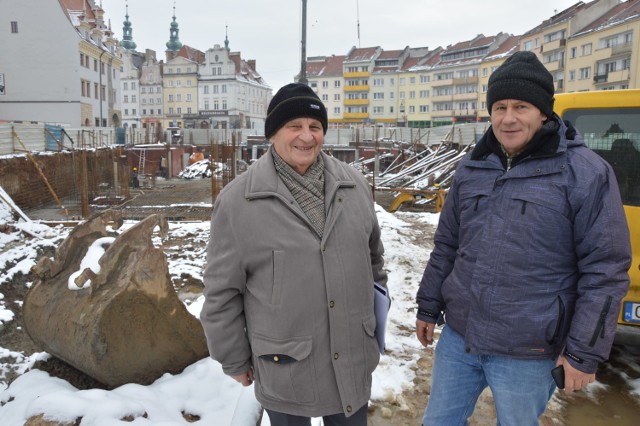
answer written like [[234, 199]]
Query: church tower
[[127, 38], [174, 44]]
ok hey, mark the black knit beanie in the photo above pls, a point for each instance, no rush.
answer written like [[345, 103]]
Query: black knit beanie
[[292, 101], [523, 77]]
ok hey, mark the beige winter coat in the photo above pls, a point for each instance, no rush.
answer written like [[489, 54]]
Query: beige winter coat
[[297, 309]]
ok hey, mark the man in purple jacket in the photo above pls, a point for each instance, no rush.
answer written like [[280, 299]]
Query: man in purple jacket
[[530, 259]]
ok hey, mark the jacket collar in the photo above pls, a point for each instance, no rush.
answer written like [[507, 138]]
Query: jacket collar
[[554, 138]]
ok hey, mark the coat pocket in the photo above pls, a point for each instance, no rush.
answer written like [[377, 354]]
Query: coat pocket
[[284, 368], [371, 350]]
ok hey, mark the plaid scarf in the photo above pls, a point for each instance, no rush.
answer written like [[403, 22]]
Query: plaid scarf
[[307, 189]]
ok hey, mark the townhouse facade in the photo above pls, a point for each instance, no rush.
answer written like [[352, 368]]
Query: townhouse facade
[[83, 70]]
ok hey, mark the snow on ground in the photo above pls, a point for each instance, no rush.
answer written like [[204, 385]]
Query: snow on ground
[[201, 389]]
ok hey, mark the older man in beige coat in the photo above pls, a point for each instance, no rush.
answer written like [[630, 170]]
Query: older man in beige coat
[[295, 249]]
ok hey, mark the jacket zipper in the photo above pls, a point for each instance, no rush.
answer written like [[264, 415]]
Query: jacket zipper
[[601, 322]]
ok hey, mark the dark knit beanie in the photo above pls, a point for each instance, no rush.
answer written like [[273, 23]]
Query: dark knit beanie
[[292, 101], [523, 77]]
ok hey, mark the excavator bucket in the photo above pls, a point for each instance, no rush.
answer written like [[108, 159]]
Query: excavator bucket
[[123, 323]]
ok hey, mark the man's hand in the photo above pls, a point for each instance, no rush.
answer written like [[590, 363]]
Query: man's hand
[[245, 379], [574, 379], [424, 331]]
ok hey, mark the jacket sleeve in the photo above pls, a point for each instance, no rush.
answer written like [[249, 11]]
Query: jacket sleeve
[[603, 252], [441, 260], [222, 314]]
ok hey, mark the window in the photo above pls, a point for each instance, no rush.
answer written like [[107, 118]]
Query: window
[[224, 104], [412, 94], [188, 83], [170, 98], [378, 95], [585, 73], [223, 88], [126, 111], [126, 99], [179, 110], [378, 110], [336, 110], [424, 79], [125, 86], [586, 49], [528, 45], [215, 88], [179, 97], [14, 27], [572, 75], [336, 97], [205, 90], [188, 97], [103, 95], [95, 90], [178, 70], [82, 59], [424, 108], [325, 98], [325, 84], [178, 83], [412, 80], [336, 83], [133, 99], [573, 52]]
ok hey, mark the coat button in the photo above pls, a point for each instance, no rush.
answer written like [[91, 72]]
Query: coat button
[[332, 304], [467, 350], [336, 356], [349, 409], [276, 358]]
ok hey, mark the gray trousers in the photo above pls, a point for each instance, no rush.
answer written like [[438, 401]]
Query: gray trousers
[[359, 418]]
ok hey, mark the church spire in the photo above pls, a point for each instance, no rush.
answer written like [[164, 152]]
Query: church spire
[[226, 37], [174, 43], [127, 38]]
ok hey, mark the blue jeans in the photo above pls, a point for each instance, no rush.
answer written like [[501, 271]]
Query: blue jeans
[[521, 388]]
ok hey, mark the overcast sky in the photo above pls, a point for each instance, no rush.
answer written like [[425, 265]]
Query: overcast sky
[[269, 31]]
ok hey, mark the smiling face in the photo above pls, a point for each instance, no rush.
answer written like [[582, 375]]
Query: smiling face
[[299, 142], [515, 123]]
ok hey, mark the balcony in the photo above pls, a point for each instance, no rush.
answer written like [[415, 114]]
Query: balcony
[[554, 45], [600, 78], [440, 83], [357, 74], [465, 80], [618, 76], [362, 88], [554, 65], [355, 115], [349, 102], [621, 49]]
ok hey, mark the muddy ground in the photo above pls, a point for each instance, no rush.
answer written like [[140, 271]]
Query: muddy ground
[[614, 406]]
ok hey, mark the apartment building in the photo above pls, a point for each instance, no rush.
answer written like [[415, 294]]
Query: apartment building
[[604, 55], [324, 75]]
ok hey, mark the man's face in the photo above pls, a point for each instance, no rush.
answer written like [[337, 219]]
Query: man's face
[[515, 123], [299, 142]]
